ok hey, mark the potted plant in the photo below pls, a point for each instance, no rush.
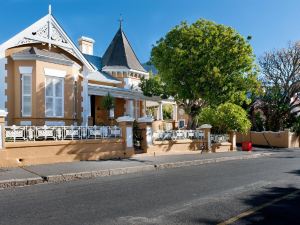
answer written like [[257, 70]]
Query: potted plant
[[108, 103]]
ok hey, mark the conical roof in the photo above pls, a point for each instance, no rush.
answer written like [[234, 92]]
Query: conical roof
[[120, 55]]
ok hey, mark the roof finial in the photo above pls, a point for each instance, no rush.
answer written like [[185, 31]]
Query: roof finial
[[121, 20], [50, 10]]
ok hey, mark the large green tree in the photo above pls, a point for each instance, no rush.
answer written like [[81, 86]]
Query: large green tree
[[203, 64]]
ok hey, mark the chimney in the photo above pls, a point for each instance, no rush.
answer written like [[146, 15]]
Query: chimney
[[86, 45]]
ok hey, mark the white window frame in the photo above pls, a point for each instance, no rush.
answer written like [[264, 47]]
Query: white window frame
[[29, 75], [54, 98]]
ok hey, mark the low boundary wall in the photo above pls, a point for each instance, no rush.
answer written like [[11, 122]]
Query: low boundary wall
[[281, 139], [176, 145], [46, 152]]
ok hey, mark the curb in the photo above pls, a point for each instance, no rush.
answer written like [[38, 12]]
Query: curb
[[119, 171]]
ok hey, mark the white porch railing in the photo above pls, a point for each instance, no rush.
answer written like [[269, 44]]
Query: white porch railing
[[178, 135], [218, 138], [41, 133]]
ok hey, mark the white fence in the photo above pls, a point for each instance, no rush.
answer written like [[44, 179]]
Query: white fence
[[178, 135], [218, 138], [41, 133]]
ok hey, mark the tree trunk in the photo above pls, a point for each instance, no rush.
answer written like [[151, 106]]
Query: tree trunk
[[192, 120]]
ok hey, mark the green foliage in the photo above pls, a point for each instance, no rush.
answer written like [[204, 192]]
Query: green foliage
[[206, 61], [203, 64], [224, 118], [153, 87], [108, 102], [296, 126], [167, 112], [280, 102], [276, 108], [258, 122]]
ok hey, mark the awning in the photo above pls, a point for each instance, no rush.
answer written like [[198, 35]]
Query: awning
[[101, 90]]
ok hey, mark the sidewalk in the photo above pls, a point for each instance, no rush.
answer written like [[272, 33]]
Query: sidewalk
[[61, 172]]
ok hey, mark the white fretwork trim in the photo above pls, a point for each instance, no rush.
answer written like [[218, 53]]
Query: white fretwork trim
[[45, 30], [125, 70]]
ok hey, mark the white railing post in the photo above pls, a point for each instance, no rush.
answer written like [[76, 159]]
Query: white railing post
[[3, 114], [72, 130], [14, 132]]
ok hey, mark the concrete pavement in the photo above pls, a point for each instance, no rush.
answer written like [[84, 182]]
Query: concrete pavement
[[61, 172]]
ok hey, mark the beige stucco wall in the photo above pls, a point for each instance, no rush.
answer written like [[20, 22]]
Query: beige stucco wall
[[175, 146], [282, 139], [46, 152]]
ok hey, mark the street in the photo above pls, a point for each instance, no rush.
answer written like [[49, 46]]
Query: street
[[254, 191]]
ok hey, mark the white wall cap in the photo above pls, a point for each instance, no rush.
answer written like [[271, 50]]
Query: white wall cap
[[83, 38], [145, 119], [205, 126], [3, 113], [125, 119]]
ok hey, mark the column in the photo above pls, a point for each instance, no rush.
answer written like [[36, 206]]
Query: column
[[130, 108], [126, 125], [85, 95], [232, 139], [175, 112], [160, 115], [144, 108], [207, 128], [2, 131]]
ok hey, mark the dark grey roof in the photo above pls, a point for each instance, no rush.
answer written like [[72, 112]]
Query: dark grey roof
[[101, 75], [42, 53], [120, 54], [94, 60]]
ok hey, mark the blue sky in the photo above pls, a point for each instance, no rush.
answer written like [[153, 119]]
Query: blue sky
[[271, 23]]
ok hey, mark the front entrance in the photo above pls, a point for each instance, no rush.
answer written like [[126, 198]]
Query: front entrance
[[137, 138], [100, 115]]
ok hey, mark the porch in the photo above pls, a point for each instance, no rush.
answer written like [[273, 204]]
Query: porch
[[127, 103]]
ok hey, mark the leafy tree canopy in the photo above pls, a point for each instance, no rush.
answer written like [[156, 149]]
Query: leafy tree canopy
[[204, 64]]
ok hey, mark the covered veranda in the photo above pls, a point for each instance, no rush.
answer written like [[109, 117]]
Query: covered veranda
[[127, 102]]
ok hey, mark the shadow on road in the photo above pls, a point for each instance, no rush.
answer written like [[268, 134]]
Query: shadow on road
[[276, 205]]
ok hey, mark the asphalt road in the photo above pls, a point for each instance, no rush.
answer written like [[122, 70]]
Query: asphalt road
[[254, 191]]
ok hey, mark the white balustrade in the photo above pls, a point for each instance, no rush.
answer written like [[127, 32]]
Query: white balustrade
[[178, 135], [56, 133]]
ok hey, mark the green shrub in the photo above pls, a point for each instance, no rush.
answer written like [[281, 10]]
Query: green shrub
[[226, 117]]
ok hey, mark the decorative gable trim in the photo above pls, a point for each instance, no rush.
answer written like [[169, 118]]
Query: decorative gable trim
[[46, 30]]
